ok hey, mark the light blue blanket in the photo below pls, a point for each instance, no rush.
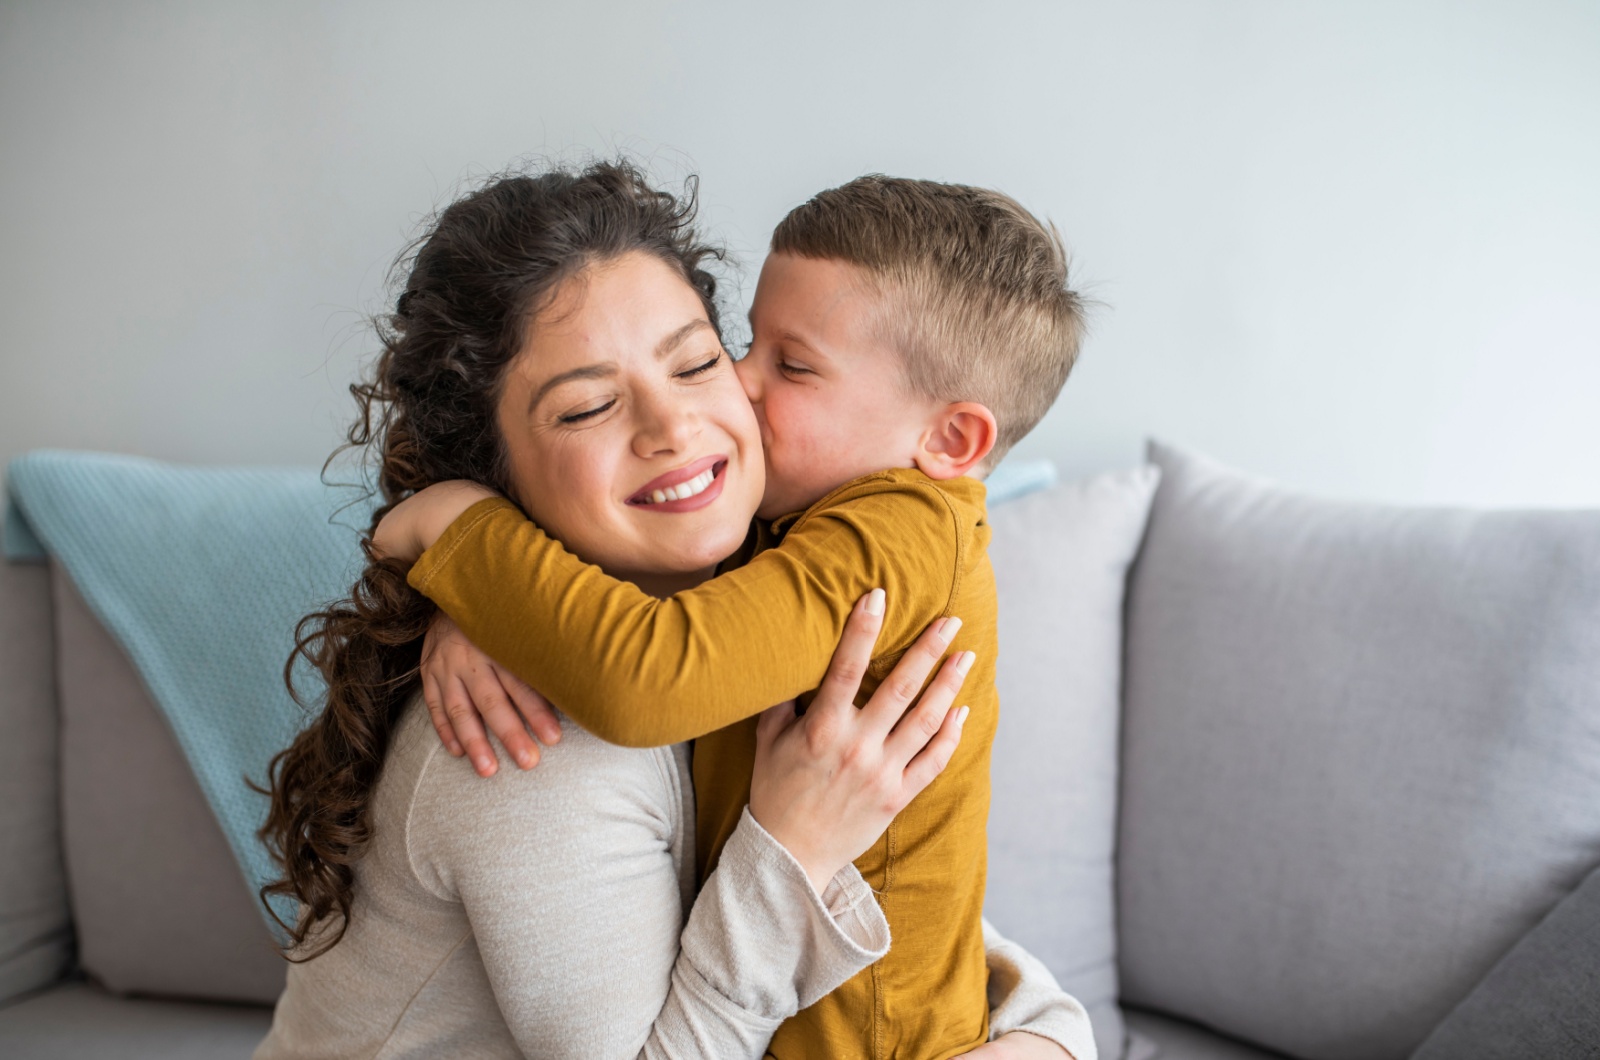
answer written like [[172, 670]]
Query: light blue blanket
[[202, 574]]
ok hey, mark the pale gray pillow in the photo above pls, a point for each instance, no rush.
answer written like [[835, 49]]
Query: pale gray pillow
[[1061, 559], [35, 925], [1361, 755], [161, 905]]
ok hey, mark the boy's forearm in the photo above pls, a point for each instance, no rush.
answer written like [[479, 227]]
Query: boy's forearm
[[413, 525], [630, 668]]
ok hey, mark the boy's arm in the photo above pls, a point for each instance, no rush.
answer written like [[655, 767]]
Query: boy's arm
[[643, 672], [408, 528]]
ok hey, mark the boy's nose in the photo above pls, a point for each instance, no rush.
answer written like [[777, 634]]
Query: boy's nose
[[749, 378]]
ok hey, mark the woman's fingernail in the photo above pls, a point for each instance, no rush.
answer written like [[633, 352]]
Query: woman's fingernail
[[964, 661], [961, 716], [949, 628], [875, 602]]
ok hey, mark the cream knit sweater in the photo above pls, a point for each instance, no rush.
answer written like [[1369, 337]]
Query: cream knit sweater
[[542, 914]]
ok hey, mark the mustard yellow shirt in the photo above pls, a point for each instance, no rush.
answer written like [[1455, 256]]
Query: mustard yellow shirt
[[643, 672]]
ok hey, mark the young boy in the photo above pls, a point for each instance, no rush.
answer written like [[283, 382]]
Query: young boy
[[904, 335]]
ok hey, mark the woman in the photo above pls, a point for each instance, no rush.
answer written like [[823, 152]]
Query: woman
[[539, 913]]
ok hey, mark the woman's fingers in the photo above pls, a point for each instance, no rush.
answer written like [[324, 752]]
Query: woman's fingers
[[931, 760], [773, 721], [853, 655], [468, 728], [889, 702], [534, 708], [922, 723]]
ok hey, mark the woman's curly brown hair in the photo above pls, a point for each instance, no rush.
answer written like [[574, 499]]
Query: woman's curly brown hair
[[476, 280]]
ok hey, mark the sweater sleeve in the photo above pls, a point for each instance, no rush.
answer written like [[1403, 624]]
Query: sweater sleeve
[[1024, 996], [572, 884], [643, 672]]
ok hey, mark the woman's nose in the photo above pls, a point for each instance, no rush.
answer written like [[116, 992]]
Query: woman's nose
[[664, 427]]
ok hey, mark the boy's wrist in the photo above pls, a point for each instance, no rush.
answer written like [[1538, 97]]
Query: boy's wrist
[[441, 505]]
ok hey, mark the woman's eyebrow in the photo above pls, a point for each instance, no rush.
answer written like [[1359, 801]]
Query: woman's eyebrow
[[607, 369], [588, 371], [674, 340]]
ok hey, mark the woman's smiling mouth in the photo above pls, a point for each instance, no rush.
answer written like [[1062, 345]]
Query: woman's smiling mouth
[[687, 489]]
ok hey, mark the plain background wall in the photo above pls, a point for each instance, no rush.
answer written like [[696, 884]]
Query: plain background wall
[[1353, 246]]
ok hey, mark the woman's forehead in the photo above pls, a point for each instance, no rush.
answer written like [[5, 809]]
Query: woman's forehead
[[635, 305]]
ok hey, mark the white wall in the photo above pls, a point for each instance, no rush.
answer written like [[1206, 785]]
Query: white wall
[[1354, 246]]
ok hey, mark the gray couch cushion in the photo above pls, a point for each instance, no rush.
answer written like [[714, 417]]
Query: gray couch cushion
[[1158, 1037], [160, 903], [35, 927], [1359, 760], [1542, 999], [81, 1021], [1061, 560]]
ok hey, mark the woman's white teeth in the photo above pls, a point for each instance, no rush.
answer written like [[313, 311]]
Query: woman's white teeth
[[685, 490]]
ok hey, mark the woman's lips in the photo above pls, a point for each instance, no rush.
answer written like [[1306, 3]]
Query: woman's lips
[[686, 489]]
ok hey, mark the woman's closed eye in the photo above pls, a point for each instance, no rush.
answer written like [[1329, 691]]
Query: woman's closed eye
[[701, 369], [586, 414]]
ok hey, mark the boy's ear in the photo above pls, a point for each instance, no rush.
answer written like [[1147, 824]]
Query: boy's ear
[[961, 435]]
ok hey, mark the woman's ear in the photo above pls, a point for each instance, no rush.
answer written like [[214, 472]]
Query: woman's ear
[[961, 435]]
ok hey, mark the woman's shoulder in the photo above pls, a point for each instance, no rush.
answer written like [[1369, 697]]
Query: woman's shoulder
[[577, 780], [578, 758]]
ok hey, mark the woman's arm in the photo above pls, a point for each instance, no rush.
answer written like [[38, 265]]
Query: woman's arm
[[572, 874], [1029, 1014]]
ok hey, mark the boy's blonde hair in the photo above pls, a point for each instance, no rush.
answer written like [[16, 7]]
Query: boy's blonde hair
[[975, 288]]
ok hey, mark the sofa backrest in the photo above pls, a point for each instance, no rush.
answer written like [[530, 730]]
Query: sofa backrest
[[160, 903], [1361, 756]]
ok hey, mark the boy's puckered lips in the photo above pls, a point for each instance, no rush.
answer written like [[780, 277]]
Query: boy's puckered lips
[[684, 489]]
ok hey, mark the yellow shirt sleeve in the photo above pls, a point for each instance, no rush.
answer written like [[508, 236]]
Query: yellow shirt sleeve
[[643, 672]]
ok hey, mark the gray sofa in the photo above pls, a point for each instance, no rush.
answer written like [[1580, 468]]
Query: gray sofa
[[1277, 777]]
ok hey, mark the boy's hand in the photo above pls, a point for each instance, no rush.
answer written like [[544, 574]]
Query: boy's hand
[[1019, 1045], [411, 527], [465, 688]]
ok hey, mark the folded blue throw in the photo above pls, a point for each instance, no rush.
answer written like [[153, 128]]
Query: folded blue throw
[[201, 574]]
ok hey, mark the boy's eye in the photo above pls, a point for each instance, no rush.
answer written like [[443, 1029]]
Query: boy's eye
[[579, 417], [699, 368], [792, 369]]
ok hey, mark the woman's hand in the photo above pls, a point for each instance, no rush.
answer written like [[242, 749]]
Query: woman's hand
[[1019, 1045], [464, 689], [828, 783], [411, 527]]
